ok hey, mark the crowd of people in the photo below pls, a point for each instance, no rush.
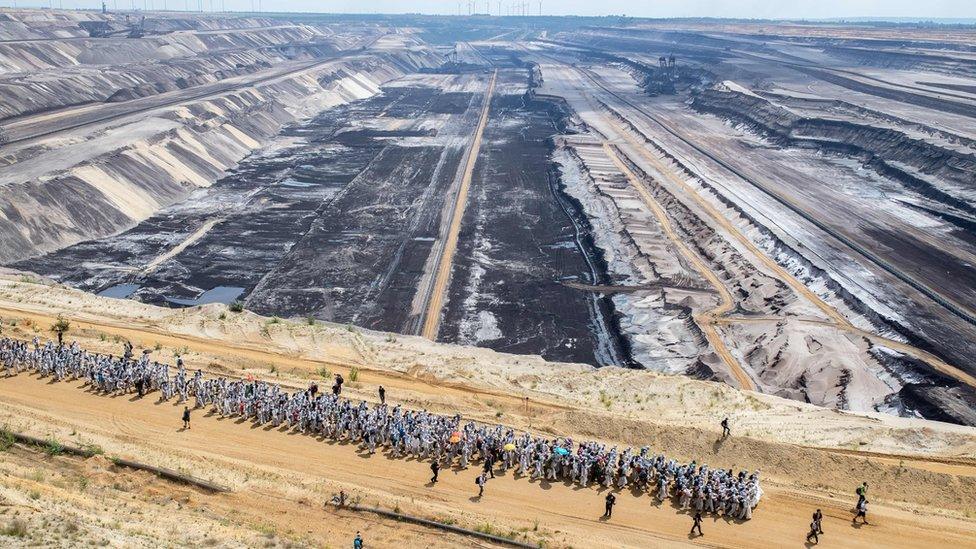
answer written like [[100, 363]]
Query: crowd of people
[[444, 440]]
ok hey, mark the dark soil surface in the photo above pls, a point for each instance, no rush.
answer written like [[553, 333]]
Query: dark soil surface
[[521, 241]]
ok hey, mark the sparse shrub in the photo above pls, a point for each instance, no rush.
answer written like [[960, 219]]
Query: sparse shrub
[[324, 373], [34, 495], [17, 529], [236, 307], [61, 325], [158, 346], [354, 374], [310, 320], [223, 316], [6, 440], [487, 528], [53, 448]]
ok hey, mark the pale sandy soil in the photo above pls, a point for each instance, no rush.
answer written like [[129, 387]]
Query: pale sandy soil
[[922, 474]]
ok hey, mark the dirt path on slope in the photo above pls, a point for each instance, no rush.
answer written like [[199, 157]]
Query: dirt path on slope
[[570, 513], [215, 355]]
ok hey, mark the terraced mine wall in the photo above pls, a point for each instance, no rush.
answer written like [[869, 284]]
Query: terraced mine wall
[[942, 174], [183, 149], [45, 75], [939, 173]]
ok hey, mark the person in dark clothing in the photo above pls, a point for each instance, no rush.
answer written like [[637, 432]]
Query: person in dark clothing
[[480, 481], [313, 389], [139, 386], [435, 468], [358, 542], [611, 499], [382, 395], [186, 417], [490, 464], [725, 428], [696, 525], [812, 534], [818, 519], [862, 511]]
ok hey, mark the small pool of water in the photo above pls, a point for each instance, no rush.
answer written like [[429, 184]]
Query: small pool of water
[[297, 184], [220, 294], [119, 291]]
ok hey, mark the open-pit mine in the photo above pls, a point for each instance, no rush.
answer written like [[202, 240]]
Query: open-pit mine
[[743, 218]]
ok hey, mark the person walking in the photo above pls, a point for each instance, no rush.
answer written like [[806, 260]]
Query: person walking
[[862, 511], [435, 468], [186, 417], [611, 499], [818, 519], [725, 428], [696, 524], [490, 464], [480, 481], [862, 492], [358, 542], [812, 534], [382, 395]]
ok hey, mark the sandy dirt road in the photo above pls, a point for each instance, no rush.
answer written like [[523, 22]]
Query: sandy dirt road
[[435, 302], [570, 513]]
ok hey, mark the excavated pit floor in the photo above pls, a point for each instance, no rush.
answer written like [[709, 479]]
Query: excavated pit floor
[[338, 218]]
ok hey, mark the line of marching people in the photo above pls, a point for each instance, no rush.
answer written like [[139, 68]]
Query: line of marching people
[[444, 440]]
